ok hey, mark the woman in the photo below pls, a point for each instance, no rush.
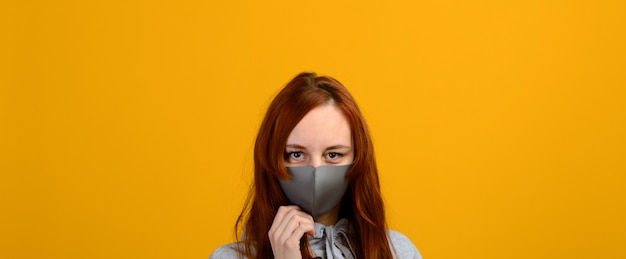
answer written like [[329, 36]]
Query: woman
[[316, 192]]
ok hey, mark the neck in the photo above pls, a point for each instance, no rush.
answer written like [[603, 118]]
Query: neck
[[329, 218]]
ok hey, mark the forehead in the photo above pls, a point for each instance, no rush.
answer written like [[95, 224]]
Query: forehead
[[323, 126]]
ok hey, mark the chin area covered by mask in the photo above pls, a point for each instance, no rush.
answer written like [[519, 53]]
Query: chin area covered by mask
[[316, 190]]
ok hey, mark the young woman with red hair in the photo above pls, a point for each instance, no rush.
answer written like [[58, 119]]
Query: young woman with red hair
[[316, 192]]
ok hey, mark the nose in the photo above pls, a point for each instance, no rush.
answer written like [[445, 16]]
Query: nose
[[315, 162]]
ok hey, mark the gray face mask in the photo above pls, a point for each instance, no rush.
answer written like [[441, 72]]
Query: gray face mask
[[316, 190]]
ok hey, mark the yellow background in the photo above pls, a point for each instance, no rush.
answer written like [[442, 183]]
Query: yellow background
[[127, 127]]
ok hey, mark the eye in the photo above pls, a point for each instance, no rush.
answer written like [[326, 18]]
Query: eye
[[295, 155], [333, 155]]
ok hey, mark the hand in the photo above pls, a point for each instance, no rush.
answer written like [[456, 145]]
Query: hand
[[290, 224]]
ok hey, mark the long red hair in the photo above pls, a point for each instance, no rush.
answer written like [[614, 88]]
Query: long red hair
[[362, 204]]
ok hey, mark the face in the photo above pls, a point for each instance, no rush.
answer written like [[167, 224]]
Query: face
[[322, 137]]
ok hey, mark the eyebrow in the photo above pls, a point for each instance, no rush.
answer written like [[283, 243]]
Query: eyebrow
[[296, 146], [338, 147]]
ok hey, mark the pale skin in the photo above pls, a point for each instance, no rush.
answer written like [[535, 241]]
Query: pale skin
[[322, 137]]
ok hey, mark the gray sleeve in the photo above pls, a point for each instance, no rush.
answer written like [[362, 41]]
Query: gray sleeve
[[402, 246], [225, 252]]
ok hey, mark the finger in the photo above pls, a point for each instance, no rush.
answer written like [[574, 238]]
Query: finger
[[295, 227], [285, 224], [304, 226], [307, 226], [306, 218], [282, 216]]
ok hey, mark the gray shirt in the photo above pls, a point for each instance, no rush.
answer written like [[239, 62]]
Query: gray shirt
[[332, 242]]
